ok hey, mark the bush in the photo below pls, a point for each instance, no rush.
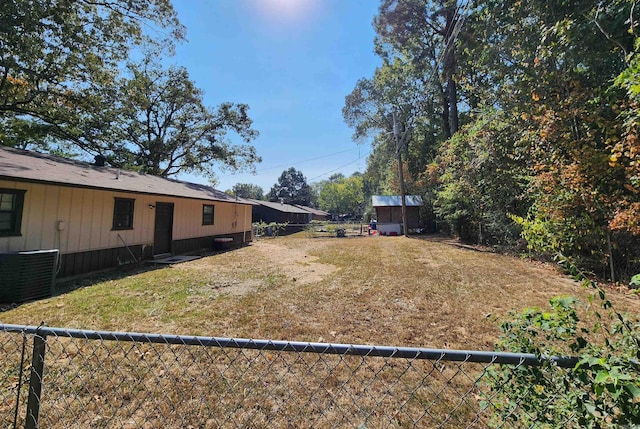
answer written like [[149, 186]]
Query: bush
[[601, 391]]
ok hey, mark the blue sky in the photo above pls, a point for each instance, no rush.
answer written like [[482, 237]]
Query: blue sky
[[293, 62]]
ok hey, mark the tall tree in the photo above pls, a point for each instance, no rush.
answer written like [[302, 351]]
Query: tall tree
[[424, 32], [291, 188], [161, 126], [57, 55]]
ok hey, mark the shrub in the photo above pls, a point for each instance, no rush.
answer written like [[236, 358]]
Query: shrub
[[601, 391]]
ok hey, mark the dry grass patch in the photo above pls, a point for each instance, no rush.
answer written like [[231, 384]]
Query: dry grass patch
[[372, 290]]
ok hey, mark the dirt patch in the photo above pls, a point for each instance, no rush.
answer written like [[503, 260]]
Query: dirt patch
[[296, 263]]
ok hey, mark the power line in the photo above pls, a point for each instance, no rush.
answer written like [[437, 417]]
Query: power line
[[342, 166], [291, 164]]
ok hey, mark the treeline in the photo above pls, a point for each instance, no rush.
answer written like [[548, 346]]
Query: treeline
[[521, 122]]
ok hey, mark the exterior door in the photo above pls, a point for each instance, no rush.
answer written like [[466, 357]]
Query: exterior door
[[163, 230]]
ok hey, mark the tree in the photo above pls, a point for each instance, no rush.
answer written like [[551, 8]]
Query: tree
[[161, 126], [247, 190], [343, 196], [478, 181], [58, 55], [424, 33], [292, 188]]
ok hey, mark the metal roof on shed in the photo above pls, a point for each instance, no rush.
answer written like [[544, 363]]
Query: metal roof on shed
[[396, 200], [22, 165]]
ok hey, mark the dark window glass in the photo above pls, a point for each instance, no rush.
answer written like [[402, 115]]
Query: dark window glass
[[123, 213], [11, 203], [207, 214]]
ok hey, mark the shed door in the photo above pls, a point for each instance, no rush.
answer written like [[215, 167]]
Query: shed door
[[163, 229]]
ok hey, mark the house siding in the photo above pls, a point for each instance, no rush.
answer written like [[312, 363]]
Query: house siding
[[88, 243]]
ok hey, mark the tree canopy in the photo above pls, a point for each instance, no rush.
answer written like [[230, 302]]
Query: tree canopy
[[291, 188], [58, 55], [247, 190], [162, 127], [343, 196], [68, 84]]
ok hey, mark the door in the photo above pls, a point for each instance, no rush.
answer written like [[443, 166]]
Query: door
[[163, 229]]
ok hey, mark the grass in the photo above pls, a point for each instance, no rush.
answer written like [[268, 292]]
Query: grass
[[375, 290], [357, 290]]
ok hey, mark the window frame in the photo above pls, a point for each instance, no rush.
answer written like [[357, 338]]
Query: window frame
[[15, 213], [131, 203], [205, 216]]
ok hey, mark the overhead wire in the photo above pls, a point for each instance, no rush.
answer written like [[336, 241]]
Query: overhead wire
[[292, 164], [342, 166]]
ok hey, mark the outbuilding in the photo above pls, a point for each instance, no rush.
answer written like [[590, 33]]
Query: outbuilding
[[99, 217], [270, 211], [389, 213]]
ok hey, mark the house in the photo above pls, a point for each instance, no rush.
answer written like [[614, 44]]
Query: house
[[100, 217], [268, 212], [315, 214], [389, 213]]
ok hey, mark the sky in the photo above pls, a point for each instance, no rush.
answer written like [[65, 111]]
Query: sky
[[293, 62]]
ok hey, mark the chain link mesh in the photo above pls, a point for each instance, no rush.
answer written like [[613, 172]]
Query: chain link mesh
[[172, 382]]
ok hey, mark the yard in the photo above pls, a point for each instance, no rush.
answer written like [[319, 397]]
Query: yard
[[417, 292], [368, 290]]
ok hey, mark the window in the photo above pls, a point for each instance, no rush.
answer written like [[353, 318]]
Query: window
[[207, 214], [123, 213], [11, 202]]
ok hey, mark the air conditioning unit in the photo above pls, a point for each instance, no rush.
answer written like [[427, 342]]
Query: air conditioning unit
[[27, 275]]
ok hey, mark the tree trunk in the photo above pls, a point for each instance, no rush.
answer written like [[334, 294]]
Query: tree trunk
[[449, 70]]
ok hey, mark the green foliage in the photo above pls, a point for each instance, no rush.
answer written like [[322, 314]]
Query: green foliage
[[478, 178], [601, 391], [247, 190], [60, 57], [162, 127], [272, 229], [343, 196], [292, 188]]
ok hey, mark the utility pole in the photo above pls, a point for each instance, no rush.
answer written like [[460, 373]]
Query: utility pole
[[396, 134]]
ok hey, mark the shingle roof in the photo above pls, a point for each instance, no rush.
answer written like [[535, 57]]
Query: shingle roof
[[22, 165], [311, 210], [396, 200], [285, 208]]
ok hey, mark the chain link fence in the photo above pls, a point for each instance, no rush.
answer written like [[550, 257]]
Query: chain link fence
[[64, 378]]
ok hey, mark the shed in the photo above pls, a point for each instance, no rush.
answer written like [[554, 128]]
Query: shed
[[389, 212], [99, 217]]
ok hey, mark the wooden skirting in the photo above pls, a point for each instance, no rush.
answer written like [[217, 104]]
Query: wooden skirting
[[73, 264]]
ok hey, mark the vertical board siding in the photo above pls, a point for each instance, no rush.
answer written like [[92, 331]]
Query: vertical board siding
[[87, 241]]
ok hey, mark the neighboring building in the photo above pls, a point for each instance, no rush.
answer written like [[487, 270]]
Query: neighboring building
[[100, 217], [389, 213], [268, 211], [315, 214]]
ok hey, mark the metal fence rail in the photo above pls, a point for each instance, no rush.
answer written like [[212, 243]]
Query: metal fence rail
[[61, 378]]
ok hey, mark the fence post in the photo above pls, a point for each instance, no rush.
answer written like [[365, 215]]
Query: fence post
[[35, 381]]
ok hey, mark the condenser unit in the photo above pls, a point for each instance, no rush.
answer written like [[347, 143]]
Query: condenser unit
[[27, 275]]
